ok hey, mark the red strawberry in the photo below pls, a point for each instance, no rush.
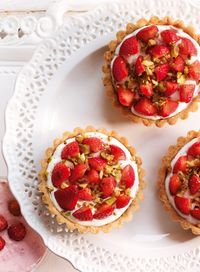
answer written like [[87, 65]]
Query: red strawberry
[[94, 143], [119, 69], [3, 223], [59, 174], [159, 51], [2, 243], [117, 152], [125, 96], [129, 47], [195, 213], [169, 36], [67, 198], [139, 67], [93, 176], [83, 214], [103, 211], [145, 106], [128, 176], [97, 163], [186, 92], [161, 71], [194, 70], [70, 150], [17, 231], [168, 108], [14, 208], [180, 165], [194, 184], [183, 204], [85, 194], [178, 64], [194, 150], [108, 186], [146, 89], [170, 87], [187, 48], [122, 201], [147, 33], [174, 184], [78, 172]]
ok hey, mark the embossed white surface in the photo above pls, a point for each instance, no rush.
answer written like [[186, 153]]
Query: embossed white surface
[[51, 97]]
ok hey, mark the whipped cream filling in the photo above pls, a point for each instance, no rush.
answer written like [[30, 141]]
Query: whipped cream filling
[[182, 151], [132, 60], [56, 158]]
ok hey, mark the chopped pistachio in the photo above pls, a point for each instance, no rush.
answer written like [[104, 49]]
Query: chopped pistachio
[[82, 158], [83, 185], [151, 42], [128, 191], [84, 148], [149, 71], [155, 82], [107, 156], [101, 174], [110, 201], [186, 70], [79, 138], [50, 188], [117, 193], [174, 51], [148, 63], [66, 213], [108, 169], [181, 78], [64, 185]]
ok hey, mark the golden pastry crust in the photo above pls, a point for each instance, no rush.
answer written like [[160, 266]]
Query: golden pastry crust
[[107, 79], [126, 216], [166, 163]]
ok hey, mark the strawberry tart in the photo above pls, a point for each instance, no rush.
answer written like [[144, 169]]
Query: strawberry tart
[[91, 180], [152, 71], [179, 181]]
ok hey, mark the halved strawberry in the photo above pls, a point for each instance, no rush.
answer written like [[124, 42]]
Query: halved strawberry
[[108, 185], [122, 201], [187, 48], [97, 163], [195, 213], [169, 36], [117, 152], [159, 51], [194, 70], [17, 231], [170, 87], [128, 176], [194, 150], [194, 184], [78, 172], [129, 47], [145, 107], [139, 67], [147, 33], [161, 71], [14, 208], [174, 184], [182, 204], [70, 150], [2, 243], [125, 96], [168, 108], [186, 92], [94, 143], [146, 89], [103, 211], [59, 174], [83, 214], [93, 176], [85, 194], [180, 165], [67, 198], [3, 223], [177, 64], [119, 69]]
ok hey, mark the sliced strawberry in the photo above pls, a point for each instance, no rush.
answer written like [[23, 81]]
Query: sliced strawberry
[[186, 92], [67, 198], [3, 223], [146, 107], [195, 213], [128, 176], [180, 165], [129, 47], [161, 71], [97, 163], [119, 69], [168, 108], [178, 64], [170, 87], [125, 96], [78, 172], [182, 204], [194, 70], [59, 174], [14, 208], [139, 67], [146, 89], [94, 143], [122, 201], [108, 186], [85, 194], [187, 48], [117, 152], [194, 150], [103, 211], [17, 231], [169, 36], [70, 150], [93, 176], [174, 184], [2, 243], [83, 214], [194, 184], [159, 51], [147, 33]]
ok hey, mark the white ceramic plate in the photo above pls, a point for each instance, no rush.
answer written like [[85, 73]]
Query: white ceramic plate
[[60, 89]]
